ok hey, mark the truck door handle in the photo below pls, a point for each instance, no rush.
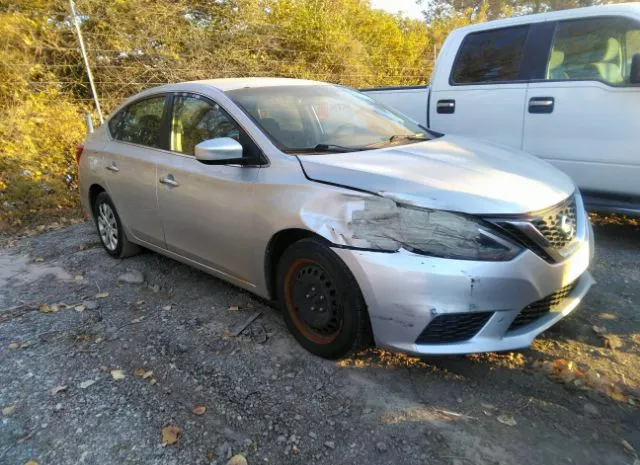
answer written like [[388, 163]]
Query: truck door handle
[[541, 104], [446, 106], [169, 181], [112, 167]]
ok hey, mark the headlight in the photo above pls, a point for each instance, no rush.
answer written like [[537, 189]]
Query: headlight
[[384, 225]]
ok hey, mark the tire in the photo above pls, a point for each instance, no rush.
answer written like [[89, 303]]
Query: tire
[[110, 230], [309, 275]]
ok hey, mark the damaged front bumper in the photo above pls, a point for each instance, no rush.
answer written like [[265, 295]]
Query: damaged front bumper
[[478, 302]]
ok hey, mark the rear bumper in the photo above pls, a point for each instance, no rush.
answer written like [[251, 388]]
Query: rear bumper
[[404, 292]]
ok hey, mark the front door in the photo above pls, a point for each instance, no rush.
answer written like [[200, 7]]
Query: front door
[[584, 117], [484, 95], [129, 164], [207, 210]]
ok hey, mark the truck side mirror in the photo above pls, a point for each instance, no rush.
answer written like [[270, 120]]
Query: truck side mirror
[[634, 78]]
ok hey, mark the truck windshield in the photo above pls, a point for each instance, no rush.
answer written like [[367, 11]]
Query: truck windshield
[[307, 119]]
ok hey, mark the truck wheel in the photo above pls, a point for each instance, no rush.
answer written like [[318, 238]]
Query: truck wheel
[[321, 301], [110, 228]]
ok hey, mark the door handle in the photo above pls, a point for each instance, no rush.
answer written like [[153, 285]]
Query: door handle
[[169, 181], [446, 106], [112, 167], [541, 104]]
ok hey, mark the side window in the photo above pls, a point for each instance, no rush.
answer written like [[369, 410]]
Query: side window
[[195, 120], [139, 123], [599, 49], [490, 56]]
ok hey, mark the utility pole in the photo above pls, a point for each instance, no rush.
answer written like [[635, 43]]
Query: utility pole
[[94, 93]]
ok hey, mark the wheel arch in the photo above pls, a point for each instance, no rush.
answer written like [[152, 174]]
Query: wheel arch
[[94, 191], [276, 246]]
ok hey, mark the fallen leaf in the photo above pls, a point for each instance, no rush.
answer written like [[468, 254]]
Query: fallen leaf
[[171, 434], [31, 462], [167, 307], [507, 420], [237, 460], [153, 381], [137, 320], [104, 369], [199, 410], [233, 308], [102, 295], [13, 346], [80, 308], [38, 260], [8, 410], [117, 374], [58, 389], [147, 375], [79, 277], [139, 372], [46, 308], [628, 446], [86, 384], [140, 302]]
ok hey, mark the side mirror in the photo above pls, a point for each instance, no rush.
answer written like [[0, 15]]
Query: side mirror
[[219, 151], [634, 78]]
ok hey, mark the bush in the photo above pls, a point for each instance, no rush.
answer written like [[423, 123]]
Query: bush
[[38, 136]]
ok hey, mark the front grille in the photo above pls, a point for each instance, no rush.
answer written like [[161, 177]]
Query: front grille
[[453, 327], [558, 225], [541, 307]]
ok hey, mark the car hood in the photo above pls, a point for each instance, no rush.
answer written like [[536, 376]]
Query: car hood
[[451, 173]]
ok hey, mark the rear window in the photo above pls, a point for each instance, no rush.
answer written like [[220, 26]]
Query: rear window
[[490, 56]]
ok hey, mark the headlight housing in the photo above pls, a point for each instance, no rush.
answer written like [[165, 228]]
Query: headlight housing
[[385, 225]]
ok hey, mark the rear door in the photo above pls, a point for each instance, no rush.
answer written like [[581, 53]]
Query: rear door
[[484, 94], [207, 209], [583, 116], [129, 164]]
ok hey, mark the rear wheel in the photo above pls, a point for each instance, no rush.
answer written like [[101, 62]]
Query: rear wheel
[[321, 301], [110, 229]]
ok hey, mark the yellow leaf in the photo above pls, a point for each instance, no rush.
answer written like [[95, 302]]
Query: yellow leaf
[[45, 308], [199, 410], [171, 434], [117, 374], [102, 295], [31, 462], [8, 410]]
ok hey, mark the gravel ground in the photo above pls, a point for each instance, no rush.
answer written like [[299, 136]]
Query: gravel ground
[[98, 355]]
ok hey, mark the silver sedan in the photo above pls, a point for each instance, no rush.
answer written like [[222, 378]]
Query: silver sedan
[[362, 225]]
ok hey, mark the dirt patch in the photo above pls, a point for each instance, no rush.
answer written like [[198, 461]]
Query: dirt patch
[[121, 360]]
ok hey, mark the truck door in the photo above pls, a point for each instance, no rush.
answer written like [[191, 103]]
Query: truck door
[[483, 95], [583, 116]]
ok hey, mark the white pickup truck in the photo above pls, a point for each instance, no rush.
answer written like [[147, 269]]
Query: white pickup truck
[[564, 86]]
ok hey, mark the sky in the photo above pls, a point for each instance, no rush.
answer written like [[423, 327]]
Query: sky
[[407, 7]]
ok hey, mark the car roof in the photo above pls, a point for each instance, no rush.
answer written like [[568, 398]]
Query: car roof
[[228, 84], [573, 13]]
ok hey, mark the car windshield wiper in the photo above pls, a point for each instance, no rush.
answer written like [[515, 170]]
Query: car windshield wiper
[[398, 138], [401, 137], [325, 148]]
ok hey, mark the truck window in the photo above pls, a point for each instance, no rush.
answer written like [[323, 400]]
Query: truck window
[[490, 56], [596, 49]]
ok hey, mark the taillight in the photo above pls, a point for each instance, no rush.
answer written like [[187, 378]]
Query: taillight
[[79, 149]]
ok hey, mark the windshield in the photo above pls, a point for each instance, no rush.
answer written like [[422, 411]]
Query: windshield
[[325, 118]]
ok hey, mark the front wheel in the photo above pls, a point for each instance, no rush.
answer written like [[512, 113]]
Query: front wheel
[[110, 230], [321, 301]]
